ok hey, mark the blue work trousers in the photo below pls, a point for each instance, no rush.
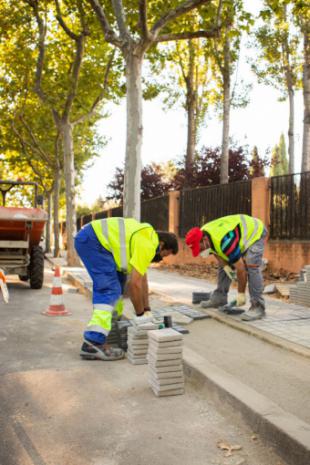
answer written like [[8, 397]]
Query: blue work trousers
[[108, 283]]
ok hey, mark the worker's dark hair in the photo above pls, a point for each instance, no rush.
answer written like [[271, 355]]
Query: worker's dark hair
[[169, 240]]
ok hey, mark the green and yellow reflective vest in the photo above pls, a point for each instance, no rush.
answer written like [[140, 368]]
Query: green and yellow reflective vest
[[251, 230], [116, 235]]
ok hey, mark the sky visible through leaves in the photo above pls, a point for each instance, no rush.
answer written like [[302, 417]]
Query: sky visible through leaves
[[260, 123]]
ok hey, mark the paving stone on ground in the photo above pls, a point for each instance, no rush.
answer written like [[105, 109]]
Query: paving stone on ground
[[278, 313]]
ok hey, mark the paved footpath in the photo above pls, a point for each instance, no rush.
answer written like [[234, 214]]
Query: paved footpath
[[261, 368], [289, 321]]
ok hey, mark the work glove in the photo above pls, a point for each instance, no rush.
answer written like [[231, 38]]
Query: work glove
[[230, 272], [241, 299]]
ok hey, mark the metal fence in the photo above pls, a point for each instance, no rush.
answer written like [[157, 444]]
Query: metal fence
[[117, 211], [87, 219], [203, 204], [290, 207], [101, 215], [156, 212]]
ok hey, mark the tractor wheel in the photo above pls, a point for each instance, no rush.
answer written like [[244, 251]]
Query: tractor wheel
[[23, 277], [36, 267]]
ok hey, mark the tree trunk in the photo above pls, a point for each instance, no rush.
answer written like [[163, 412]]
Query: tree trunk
[[56, 212], [48, 223], [291, 141], [224, 174], [306, 93], [132, 178], [191, 105], [69, 172], [191, 131]]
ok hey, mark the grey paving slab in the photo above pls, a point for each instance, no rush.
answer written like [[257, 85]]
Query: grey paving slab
[[278, 313]]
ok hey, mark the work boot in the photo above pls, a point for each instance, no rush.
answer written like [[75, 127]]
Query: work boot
[[214, 302], [255, 312], [231, 309], [92, 351]]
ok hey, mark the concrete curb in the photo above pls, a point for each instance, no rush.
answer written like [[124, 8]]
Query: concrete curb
[[79, 284], [289, 435]]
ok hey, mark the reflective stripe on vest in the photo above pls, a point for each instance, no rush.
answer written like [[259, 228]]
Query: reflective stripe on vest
[[105, 231], [122, 243], [122, 240], [246, 239]]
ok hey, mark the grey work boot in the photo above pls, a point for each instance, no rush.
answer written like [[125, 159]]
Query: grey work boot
[[91, 351], [255, 312], [214, 302]]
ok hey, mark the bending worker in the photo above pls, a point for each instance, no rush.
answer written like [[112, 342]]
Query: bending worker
[[111, 249], [237, 242]]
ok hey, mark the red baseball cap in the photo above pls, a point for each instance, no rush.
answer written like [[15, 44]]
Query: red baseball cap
[[192, 239]]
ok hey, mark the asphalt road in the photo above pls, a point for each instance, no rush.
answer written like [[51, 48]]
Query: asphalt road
[[59, 410]]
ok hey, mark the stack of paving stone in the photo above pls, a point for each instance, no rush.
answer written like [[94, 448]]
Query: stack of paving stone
[[117, 337], [300, 293], [138, 339], [166, 375], [113, 336]]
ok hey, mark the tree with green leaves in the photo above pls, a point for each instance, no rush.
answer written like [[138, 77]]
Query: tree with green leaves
[[278, 61], [279, 161], [64, 68], [302, 19], [38, 118], [134, 29], [257, 164], [226, 50], [187, 85]]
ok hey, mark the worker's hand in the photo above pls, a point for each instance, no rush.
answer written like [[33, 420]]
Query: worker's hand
[[241, 299], [230, 272]]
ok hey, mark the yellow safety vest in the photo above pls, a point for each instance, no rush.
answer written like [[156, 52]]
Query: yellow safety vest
[[115, 235], [251, 230]]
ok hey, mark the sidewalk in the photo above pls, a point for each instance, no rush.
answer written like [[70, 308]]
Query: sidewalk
[[286, 325], [287, 321], [267, 385]]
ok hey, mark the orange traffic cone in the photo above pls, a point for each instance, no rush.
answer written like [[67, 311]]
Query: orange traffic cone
[[57, 307]]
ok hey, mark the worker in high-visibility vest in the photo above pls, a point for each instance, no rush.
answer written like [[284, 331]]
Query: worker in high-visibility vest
[[237, 242], [111, 249]]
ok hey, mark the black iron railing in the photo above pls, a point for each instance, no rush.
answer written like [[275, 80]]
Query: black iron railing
[[101, 215], [87, 219], [117, 211], [156, 212], [290, 207], [203, 204]]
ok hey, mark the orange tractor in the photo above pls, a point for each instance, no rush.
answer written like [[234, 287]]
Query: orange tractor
[[21, 230]]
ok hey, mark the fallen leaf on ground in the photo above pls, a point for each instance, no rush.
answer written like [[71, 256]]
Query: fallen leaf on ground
[[229, 448]]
